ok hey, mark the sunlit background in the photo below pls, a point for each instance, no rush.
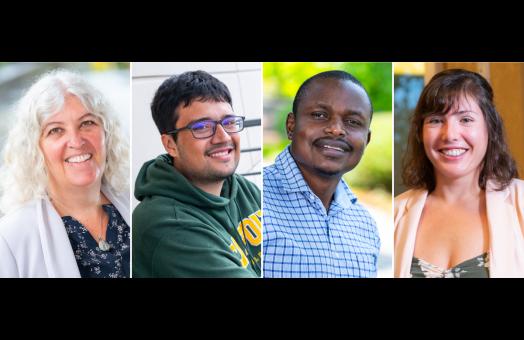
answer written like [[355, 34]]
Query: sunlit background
[[371, 180]]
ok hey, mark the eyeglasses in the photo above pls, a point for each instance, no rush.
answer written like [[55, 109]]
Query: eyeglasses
[[206, 128]]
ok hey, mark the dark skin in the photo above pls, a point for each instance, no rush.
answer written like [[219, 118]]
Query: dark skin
[[329, 133]]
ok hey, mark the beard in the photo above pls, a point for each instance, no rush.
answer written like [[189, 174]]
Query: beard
[[209, 174]]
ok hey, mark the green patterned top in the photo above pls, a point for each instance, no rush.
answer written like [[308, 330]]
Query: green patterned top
[[477, 267]]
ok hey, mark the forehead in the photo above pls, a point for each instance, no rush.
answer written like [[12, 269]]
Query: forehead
[[343, 94], [199, 110], [72, 108], [457, 103]]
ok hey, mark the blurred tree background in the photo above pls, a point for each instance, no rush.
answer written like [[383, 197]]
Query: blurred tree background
[[281, 82]]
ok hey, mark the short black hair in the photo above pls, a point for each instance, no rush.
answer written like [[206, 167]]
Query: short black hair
[[183, 89], [336, 74]]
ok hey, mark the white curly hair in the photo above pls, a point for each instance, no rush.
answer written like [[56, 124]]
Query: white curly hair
[[22, 174]]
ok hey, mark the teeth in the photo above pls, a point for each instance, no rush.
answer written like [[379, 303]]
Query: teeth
[[219, 154], [453, 152], [79, 158], [333, 147]]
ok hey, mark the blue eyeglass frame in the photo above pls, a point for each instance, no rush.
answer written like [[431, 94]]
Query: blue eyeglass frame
[[216, 122]]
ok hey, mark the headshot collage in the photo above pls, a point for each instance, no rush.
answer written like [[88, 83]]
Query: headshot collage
[[261, 170]]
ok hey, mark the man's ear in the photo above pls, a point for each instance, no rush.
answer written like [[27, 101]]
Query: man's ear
[[170, 145], [290, 125], [369, 137]]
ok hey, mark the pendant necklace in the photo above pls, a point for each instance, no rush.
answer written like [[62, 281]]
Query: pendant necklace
[[102, 244]]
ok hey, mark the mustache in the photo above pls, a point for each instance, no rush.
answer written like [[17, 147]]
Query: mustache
[[220, 146], [338, 142]]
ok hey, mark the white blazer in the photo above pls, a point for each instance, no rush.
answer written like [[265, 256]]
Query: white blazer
[[505, 212], [34, 241]]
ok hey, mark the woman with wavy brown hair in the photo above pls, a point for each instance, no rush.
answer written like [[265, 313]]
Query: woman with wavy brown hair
[[464, 213]]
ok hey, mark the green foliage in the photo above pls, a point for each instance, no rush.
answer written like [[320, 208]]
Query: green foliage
[[375, 169], [282, 80]]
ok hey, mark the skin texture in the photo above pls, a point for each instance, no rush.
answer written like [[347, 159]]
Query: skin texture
[[329, 133], [70, 132], [453, 227], [198, 159]]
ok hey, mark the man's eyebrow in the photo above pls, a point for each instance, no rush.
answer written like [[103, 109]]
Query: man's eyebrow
[[351, 112], [209, 118]]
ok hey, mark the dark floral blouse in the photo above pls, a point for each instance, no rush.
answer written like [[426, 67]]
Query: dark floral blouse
[[93, 262]]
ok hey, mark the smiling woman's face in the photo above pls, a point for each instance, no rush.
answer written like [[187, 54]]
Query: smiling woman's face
[[73, 144], [331, 128], [456, 142]]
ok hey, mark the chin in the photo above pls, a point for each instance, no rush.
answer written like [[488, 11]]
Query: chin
[[83, 182], [329, 172]]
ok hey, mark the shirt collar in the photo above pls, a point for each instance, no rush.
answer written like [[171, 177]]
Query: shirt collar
[[293, 181]]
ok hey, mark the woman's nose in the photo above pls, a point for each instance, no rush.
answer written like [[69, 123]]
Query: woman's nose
[[75, 140], [449, 131]]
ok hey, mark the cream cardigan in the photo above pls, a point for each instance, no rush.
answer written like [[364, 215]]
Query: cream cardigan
[[34, 242], [505, 212]]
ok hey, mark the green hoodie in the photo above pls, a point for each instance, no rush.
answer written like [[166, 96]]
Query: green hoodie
[[180, 230]]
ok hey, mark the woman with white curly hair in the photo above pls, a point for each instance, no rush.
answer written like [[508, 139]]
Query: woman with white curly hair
[[64, 184]]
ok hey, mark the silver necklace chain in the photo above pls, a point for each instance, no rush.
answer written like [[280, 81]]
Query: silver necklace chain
[[103, 245]]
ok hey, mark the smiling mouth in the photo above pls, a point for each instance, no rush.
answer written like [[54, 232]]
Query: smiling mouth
[[79, 158], [333, 148], [221, 152], [333, 145], [453, 152]]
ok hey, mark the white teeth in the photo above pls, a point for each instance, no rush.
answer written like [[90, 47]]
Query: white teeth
[[453, 152], [219, 154], [79, 158], [333, 147]]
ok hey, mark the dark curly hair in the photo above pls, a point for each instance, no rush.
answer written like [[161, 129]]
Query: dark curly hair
[[440, 95]]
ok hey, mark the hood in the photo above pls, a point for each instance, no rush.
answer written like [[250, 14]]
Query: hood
[[158, 177]]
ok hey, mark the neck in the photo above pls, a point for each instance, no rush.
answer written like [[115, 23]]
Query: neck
[[213, 188], [457, 189], [322, 186], [77, 201]]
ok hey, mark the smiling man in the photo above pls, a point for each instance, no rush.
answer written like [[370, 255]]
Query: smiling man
[[313, 225], [197, 218]]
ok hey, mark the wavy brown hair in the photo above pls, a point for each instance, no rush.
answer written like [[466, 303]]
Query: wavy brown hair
[[439, 96]]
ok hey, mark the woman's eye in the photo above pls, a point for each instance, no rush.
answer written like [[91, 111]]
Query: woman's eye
[[88, 123], [467, 119], [433, 120], [54, 131]]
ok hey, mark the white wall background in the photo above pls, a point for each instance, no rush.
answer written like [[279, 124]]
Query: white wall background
[[244, 81]]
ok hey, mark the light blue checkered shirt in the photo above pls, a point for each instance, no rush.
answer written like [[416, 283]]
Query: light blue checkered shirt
[[302, 240]]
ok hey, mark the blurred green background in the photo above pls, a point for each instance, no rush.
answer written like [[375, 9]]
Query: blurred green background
[[371, 180]]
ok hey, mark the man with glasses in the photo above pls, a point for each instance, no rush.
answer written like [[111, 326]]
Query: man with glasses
[[196, 218]]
